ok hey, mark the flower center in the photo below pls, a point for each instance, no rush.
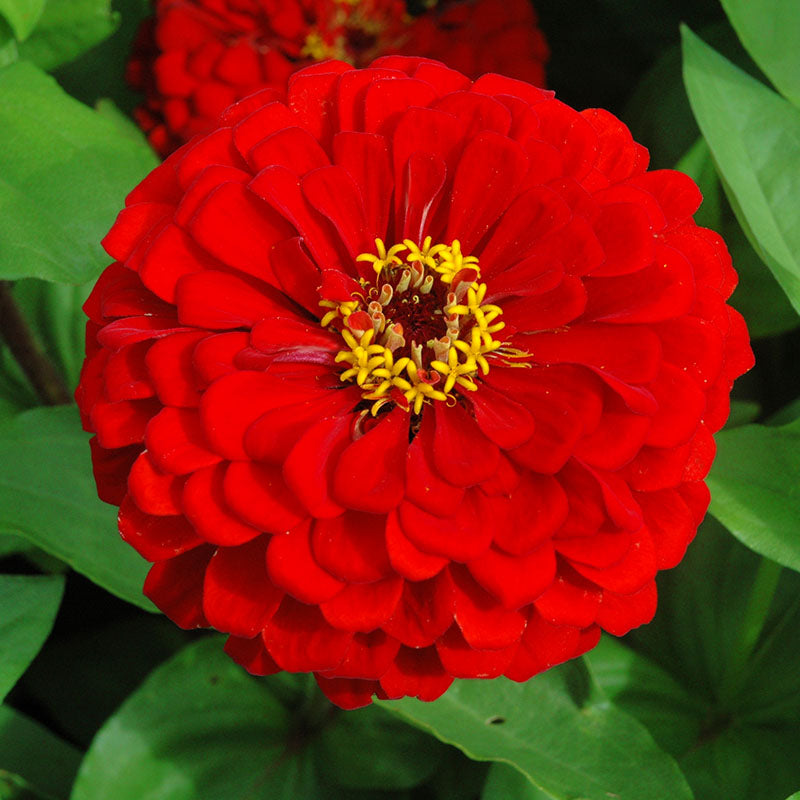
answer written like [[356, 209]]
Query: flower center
[[420, 328]]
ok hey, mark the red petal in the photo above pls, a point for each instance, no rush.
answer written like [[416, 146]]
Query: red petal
[[626, 235], [263, 121], [368, 656], [291, 566], [300, 640], [111, 468], [363, 606], [463, 661], [258, 495], [416, 673], [169, 363], [352, 547], [252, 655], [618, 614], [297, 274], [153, 491], [570, 600], [405, 558], [133, 223], [124, 423], [676, 193], [671, 523], [176, 587], [486, 625], [424, 487], [205, 507], [542, 646], [459, 538], [515, 580], [424, 180], [176, 441], [424, 613], [681, 404], [369, 474], [291, 147], [385, 100], [309, 468], [505, 422], [238, 597], [347, 693], [214, 356], [125, 374], [462, 454], [155, 538]]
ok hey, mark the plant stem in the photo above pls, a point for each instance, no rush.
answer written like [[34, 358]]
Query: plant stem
[[44, 377], [755, 615]]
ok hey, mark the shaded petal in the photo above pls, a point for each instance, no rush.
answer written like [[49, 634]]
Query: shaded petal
[[352, 547], [363, 606]]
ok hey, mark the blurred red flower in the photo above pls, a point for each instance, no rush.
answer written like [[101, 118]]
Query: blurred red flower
[[194, 58], [406, 377]]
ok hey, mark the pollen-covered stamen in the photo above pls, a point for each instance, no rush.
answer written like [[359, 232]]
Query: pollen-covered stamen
[[421, 329]]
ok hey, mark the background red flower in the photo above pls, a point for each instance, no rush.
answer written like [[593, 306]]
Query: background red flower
[[193, 58], [488, 510]]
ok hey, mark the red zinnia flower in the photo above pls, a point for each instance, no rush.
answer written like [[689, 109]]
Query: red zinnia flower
[[405, 377], [196, 57], [477, 36]]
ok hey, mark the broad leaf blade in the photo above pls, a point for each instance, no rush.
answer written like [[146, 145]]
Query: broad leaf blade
[[48, 495], [64, 172], [569, 750], [22, 15], [755, 492], [770, 30], [28, 607], [754, 136], [68, 28]]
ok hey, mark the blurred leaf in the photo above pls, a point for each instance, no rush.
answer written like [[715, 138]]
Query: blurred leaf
[[506, 783], [10, 544], [742, 412], [22, 15], [375, 763], [28, 608], [14, 787], [788, 413], [755, 491], [68, 28], [586, 749], [53, 311], [770, 30], [697, 164], [754, 136], [124, 124], [66, 172], [9, 47], [101, 71], [647, 692], [48, 495], [22, 745]]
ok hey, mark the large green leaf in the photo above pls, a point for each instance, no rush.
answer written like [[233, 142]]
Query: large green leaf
[[22, 745], [68, 28], [201, 728], [770, 30], [22, 15], [504, 783], [64, 174], [755, 489], [570, 743], [47, 495], [754, 136], [28, 607]]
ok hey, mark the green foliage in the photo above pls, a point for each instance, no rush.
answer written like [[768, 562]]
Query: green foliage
[[28, 606], [575, 744], [22, 743], [754, 136], [755, 489], [504, 782], [66, 172], [47, 495], [68, 28], [22, 15], [770, 30]]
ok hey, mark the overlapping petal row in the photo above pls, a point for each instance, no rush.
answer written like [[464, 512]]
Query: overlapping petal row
[[496, 532], [194, 58]]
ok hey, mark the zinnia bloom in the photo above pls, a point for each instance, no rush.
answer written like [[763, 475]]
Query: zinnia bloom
[[404, 377], [194, 58]]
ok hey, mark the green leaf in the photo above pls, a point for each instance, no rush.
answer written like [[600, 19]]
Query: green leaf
[[742, 412], [795, 796], [754, 136], [10, 544], [65, 173], [770, 30], [646, 691], [375, 764], [15, 787], [68, 28], [504, 782], [575, 745], [755, 492], [28, 608], [48, 495], [22, 15], [22, 743]]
